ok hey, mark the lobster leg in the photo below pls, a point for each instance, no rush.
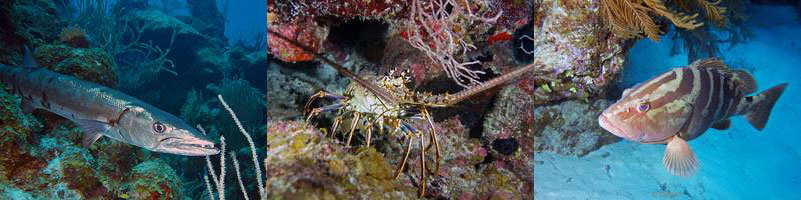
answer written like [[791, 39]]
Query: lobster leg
[[321, 94], [356, 118], [337, 121], [433, 133], [369, 128], [422, 166], [405, 157], [327, 108]]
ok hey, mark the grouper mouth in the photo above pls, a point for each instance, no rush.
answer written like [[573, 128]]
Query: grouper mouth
[[611, 126], [188, 147]]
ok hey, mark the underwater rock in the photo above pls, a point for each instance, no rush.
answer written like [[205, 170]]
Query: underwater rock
[[31, 23], [153, 179], [36, 20], [581, 59], [290, 87], [74, 37], [157, 29], [465, 174], [345, 9], [17, 131], [209, 20], [91, 64], [573, 128], [568, 128], [307, 32], [303, 164], [75, 167]]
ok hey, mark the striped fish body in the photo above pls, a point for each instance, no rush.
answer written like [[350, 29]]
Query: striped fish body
[[681, 104], [102, 111]]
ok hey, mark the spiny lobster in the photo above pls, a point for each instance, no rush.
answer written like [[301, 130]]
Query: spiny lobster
[[388, 102]]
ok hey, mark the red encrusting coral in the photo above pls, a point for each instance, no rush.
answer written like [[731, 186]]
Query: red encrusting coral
[[345, 9], [74, 37], [307, 32], [498, 37]]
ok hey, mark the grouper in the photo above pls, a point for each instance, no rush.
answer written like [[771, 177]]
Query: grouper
[[101, 111], [680, 105]]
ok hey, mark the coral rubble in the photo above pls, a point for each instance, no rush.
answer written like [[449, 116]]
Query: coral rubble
[[303, 164]]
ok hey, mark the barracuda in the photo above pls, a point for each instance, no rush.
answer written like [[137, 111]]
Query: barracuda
[[680, 105], [102, 111]]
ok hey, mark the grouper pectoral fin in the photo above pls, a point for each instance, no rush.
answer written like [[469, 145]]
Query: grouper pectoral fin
[[92, 130], [679, 157]]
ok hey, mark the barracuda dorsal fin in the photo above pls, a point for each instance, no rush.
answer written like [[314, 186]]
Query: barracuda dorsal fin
[[27, 60], [743, 79], [92, 130]]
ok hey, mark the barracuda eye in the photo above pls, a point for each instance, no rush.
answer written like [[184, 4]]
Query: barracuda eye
[[159, 127], [643, 106]]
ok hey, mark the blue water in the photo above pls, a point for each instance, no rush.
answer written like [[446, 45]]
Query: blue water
[[738, 163]]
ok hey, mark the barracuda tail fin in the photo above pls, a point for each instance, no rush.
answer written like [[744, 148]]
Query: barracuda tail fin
[[762, 104]]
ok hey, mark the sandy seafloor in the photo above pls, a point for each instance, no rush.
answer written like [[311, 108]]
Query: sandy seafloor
[[738, 163]]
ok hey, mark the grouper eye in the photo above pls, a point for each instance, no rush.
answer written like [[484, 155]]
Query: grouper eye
[[643, 106], [159, 127]]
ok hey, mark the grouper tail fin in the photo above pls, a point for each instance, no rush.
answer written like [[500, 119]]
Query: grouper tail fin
[[762, 104]]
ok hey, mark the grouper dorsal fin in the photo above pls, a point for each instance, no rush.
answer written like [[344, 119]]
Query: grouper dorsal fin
[[743, 79], [92, 130]]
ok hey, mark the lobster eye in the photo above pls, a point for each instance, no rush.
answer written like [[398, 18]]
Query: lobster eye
[[644, 106], [159, 127]]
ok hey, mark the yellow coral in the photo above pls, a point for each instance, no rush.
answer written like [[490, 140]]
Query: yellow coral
[[631, 19]]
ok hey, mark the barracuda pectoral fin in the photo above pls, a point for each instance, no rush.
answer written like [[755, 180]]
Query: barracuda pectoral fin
[[92, 130], [679, 157]]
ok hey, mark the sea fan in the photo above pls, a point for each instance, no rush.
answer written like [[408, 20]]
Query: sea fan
[[631, 19]]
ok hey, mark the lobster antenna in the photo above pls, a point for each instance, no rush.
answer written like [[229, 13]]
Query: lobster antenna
[[465, 94], [341, 69]]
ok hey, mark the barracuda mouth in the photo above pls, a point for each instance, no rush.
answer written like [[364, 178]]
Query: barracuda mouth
[[189, 147]]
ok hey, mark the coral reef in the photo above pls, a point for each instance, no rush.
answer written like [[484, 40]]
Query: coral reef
[[207, 18], [306, 32], [26, 22], [632, 18], [74, 37], [303, 164], [568, 128], [91, 64], [484, 155], [581, 59], [153, 179], [470, 172], [445, 35]]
